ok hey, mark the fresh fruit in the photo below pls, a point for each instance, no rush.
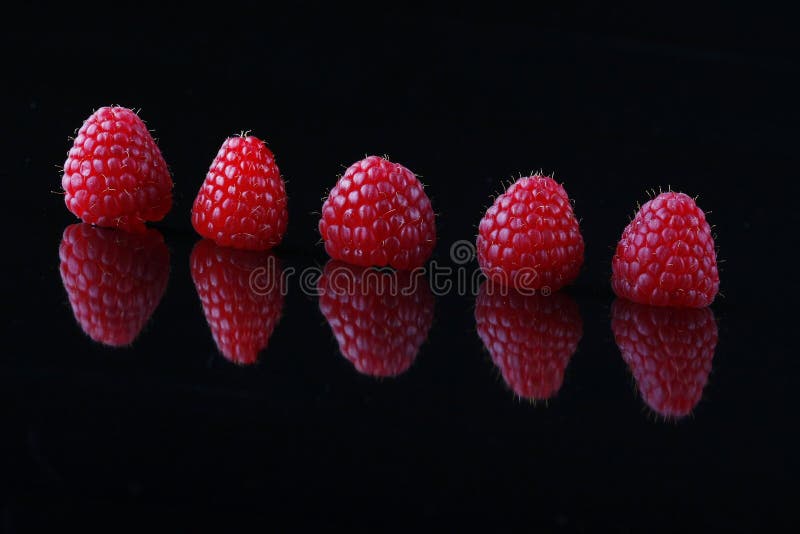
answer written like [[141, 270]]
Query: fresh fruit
[[242, 294], [378, 214], [380, 319], [115, 175], [242, 202], [114, 279], [531, 338], [669, 352], [529, 238], [666, 256]]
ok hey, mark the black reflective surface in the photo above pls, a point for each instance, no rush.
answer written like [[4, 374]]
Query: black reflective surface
[[149, 413]]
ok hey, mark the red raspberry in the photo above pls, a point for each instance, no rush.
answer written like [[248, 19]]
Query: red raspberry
[[114, 174], [530, 238], [242, 202], [242, 295], [379, 318], [114, 279], [378, 214], [531, 338], [669, 352], [666, 255]]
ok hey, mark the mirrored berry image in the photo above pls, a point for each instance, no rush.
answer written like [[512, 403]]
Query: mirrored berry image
[[530, 337], [379, 318], [668, 351], [242, 294], [114, 279]]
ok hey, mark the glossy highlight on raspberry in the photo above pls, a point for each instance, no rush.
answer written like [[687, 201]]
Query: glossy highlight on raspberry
[[531, 338], [666, 256], [380, 319], [115, 175], [378, 214], [114, 279], [669, 352], [242, 294], [242, 202], [529, 238]]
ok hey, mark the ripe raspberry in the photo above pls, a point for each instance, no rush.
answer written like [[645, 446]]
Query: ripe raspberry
[[114, 174], [114, 280], [378, 214], [531, 338], [669, 352], [666, 255], [242, 203], [379, 318], [242, 296], [530, 238]]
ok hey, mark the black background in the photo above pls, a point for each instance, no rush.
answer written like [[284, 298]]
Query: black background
[[615, 103]]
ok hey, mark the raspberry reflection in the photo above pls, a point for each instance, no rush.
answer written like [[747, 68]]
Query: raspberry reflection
[[669, 353], [242, 296], [530, 338], [380, 318], [114, 279]]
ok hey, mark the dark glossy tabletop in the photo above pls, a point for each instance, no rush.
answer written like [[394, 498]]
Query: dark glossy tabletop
[[448, 428]]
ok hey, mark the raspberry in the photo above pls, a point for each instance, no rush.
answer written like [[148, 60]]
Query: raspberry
[[666, 256], [114, 280], [115, 175], [380, 319], [669, 352], [242, 203], [242, 296], [530, 238], [531, 338], [378, 214]]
